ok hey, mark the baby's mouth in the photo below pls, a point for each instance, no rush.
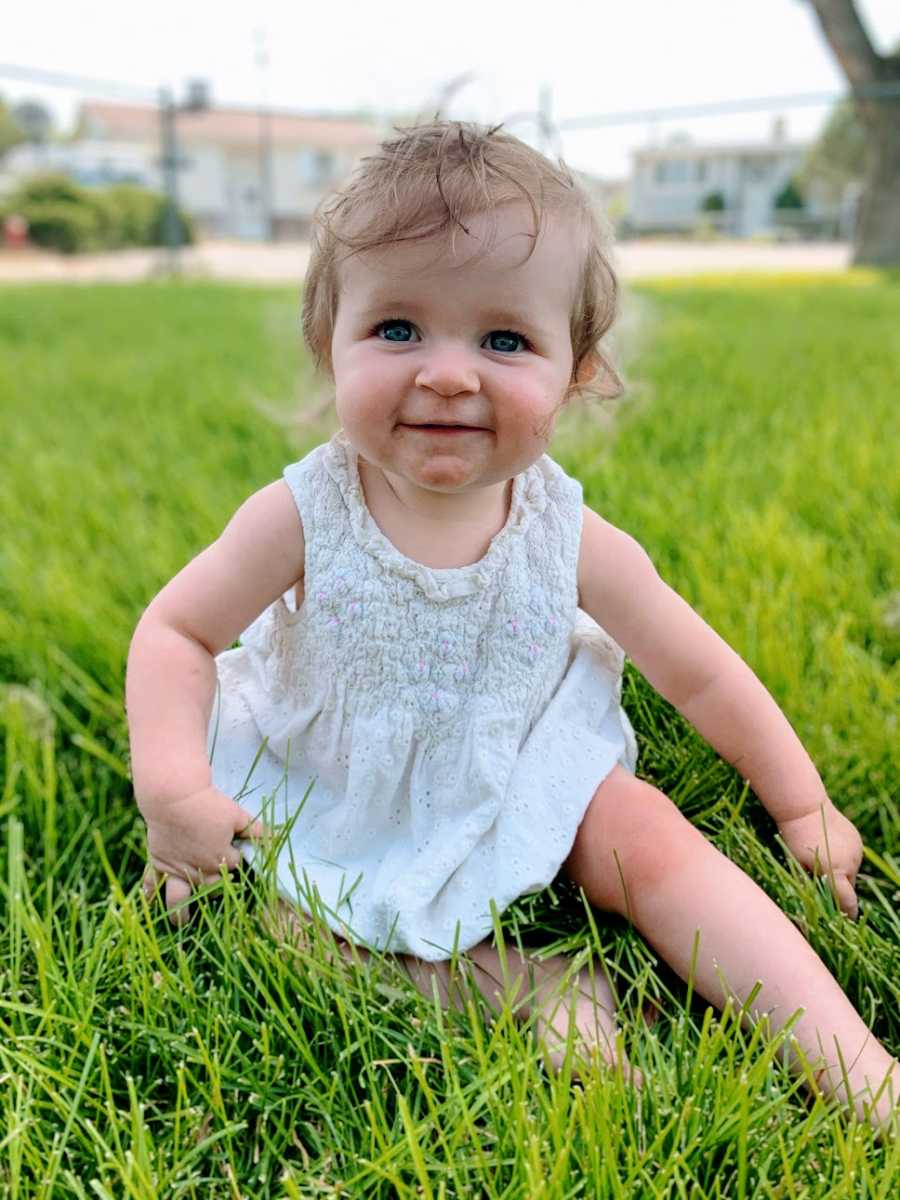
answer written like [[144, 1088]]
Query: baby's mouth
[[445, 429]]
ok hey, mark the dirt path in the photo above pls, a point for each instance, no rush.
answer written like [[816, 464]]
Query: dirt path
[[285, 262]]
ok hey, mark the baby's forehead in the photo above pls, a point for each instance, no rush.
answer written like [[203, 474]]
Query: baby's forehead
[[501, 255]]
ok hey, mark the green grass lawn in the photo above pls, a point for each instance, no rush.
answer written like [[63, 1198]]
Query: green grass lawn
[[755, 458]]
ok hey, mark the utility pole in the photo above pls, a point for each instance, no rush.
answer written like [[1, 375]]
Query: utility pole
[[197, 101], [171, 225]]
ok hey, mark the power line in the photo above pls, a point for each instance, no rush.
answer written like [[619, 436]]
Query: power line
[[80, 82], [876, 91]]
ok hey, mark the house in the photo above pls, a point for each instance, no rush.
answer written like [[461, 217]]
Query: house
[[671, 184], [240, 173]]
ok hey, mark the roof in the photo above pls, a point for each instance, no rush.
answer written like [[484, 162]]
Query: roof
[[239, 126]]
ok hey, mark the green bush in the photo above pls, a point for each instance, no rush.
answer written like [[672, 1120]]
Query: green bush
[[790, 196], [713, 202], [107, 222], [137, 210], [63, 215], [61, 225], [46, 189]]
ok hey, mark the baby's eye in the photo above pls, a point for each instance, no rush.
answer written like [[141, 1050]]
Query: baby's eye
[[505, 341], [395, 331]]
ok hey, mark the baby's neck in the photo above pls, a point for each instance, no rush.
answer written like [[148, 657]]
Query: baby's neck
[[441, 535], [466, 509]]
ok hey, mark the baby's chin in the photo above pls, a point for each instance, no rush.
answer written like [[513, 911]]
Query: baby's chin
[[448, 473]]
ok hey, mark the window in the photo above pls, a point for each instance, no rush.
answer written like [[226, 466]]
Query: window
[[673, 170], [316, 166], [757, 170]]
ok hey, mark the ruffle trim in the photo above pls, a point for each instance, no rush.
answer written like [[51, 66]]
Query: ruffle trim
[[528, 500]]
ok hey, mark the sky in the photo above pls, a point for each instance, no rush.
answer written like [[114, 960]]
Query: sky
[[594, 57]]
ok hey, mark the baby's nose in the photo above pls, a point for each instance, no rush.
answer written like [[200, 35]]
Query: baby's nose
[[449, 371]]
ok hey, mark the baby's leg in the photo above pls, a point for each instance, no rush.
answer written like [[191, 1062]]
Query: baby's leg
[[545, 984], [546, 988], [635, 854]]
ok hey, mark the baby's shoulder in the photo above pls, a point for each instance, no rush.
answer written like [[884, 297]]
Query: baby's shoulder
[[609, 559], [267, 521]]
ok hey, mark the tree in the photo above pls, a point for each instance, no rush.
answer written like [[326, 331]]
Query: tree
[[878, 228], [34, 119], [838, 156], [11, 132]]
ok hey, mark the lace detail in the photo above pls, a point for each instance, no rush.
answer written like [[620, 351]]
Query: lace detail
[[528, 500]]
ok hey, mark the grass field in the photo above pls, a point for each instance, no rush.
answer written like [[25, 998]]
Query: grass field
[[755, 458]]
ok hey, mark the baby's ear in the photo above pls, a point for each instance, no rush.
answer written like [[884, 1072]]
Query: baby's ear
[[585, 371]]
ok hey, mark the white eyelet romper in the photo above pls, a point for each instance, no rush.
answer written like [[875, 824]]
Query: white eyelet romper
[[453, 723]]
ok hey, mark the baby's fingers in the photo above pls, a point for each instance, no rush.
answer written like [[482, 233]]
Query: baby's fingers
[[844, 894], [178, 892], [247, 826]]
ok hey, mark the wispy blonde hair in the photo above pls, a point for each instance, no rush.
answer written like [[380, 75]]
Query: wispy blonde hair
[[428, 181]]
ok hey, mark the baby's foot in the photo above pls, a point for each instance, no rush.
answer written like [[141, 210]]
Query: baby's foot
[[871, 1086], [595, 1031]]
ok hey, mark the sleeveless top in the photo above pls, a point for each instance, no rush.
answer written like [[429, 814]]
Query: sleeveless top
[[428, 738]]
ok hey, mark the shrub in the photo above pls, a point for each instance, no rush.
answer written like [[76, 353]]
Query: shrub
[[69, 228], [790, 196], [63, 215], [136, 209], [47, 188], [713, 202]]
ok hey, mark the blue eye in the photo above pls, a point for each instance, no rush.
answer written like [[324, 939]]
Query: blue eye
[[395, 331], [505, 341]]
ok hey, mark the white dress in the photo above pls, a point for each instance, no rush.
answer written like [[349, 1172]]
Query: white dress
[[432, 737]]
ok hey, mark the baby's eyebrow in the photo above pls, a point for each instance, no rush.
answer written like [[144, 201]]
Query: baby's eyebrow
[[389, 304], [500, 318]]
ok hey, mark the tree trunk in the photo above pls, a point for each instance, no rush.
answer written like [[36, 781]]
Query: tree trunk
[[878, 228]]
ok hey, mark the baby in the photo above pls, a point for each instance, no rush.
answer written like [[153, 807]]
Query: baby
[[427, 690]]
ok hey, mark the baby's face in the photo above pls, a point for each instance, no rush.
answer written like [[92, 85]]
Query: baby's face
[[449, 372]]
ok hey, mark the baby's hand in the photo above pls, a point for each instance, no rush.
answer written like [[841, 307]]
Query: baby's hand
[[826, 842], [189, 840]]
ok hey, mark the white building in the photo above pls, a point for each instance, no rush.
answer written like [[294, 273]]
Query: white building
[[670, 184], [237, 172]]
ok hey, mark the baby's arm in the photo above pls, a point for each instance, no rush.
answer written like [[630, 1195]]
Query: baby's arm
[[697, 672], [171, 679]]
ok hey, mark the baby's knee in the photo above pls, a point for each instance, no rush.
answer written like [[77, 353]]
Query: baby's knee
[[632, 837]]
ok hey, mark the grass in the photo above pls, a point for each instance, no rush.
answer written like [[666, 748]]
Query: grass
[[756, 460]]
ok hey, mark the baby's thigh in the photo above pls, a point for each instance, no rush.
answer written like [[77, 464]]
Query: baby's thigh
[[292, 924], [480, 965], [517, 977]]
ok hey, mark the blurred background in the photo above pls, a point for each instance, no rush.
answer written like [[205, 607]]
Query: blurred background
[[711, 132], [159, 168]]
